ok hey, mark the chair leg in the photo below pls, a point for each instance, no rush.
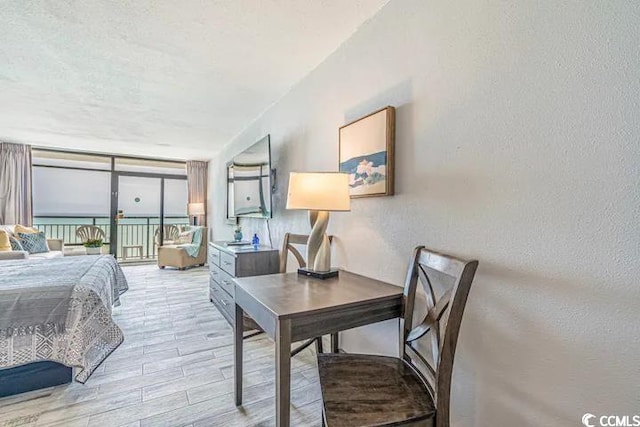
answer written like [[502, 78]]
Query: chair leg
[[319, 346]]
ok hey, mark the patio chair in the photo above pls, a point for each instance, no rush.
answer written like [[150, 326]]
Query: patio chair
[[171, 233], [89, 232]]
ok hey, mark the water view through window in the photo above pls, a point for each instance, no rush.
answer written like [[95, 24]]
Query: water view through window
[[71, 190]]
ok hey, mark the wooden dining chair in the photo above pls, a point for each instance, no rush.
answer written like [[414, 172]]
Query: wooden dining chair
[[367, 390], [89, 232], [288, 247]]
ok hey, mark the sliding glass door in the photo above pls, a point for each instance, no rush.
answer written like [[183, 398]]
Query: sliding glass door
[[174, 210], [129, 199], [137, 217], [148, 210]]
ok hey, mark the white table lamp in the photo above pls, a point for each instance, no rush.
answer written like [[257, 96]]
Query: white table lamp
[[319, 193], [195, 209]]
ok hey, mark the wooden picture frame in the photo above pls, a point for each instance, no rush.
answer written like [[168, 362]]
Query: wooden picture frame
[[366, 153]]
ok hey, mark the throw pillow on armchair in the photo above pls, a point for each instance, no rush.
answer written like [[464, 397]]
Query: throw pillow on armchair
[[185, 237]]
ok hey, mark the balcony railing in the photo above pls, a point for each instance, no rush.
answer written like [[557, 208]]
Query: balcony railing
[[132, 230]]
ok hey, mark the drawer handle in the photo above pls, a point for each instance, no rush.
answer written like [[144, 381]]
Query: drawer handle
[[223, 302], [226, 262]]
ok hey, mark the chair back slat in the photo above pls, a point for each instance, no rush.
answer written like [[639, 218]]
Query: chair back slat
[[444, 310], [440, 262], [289, 240], [89, 232], [432, 318], [422, 367]]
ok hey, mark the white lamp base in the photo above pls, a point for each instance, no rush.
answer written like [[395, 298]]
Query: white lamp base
[[318, 245]]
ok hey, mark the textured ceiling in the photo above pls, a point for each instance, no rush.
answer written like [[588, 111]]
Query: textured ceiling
[[160, 78]]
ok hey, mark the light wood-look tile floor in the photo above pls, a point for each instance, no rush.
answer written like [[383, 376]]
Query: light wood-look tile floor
[[175, 368]]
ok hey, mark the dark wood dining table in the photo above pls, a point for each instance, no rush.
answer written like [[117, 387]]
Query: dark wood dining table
[[291, 307]]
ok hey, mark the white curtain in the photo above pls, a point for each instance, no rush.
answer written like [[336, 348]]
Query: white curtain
[[15, 184], [197, 182]]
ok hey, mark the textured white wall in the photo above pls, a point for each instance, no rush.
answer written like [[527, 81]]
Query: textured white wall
[[517, 144]]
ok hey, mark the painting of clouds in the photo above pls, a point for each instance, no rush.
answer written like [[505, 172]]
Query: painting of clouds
[[366, 154]]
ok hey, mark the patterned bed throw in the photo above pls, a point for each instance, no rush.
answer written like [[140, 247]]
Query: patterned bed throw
[[60, 310]]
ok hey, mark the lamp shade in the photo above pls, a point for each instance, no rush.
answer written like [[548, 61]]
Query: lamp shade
[[319, 191], [196, 209]]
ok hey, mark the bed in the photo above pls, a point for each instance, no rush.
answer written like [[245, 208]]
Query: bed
[[55, 315]]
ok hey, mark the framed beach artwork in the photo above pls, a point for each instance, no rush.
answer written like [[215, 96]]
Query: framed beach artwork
[[366, 153]]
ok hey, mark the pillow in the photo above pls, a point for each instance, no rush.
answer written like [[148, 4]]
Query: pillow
[[184, 238], [15, 244], [34, 243], [25, 230], [5, 243]]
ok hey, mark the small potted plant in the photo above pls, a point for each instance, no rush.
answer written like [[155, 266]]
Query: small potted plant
[[237, 233], [93, 246]]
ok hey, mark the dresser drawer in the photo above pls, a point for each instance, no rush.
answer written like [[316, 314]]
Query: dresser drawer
[[228, 263], [223, 302], [215, 273], [214, 256], [223, 280], [227, 283]]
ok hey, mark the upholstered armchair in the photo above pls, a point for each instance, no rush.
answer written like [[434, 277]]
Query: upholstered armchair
[[177, 256]]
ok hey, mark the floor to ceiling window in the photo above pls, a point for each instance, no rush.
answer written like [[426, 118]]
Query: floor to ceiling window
[[135, 203]]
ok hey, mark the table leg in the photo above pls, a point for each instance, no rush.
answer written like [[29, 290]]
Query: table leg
[[283, 372], [238, 333], [334, 343]]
